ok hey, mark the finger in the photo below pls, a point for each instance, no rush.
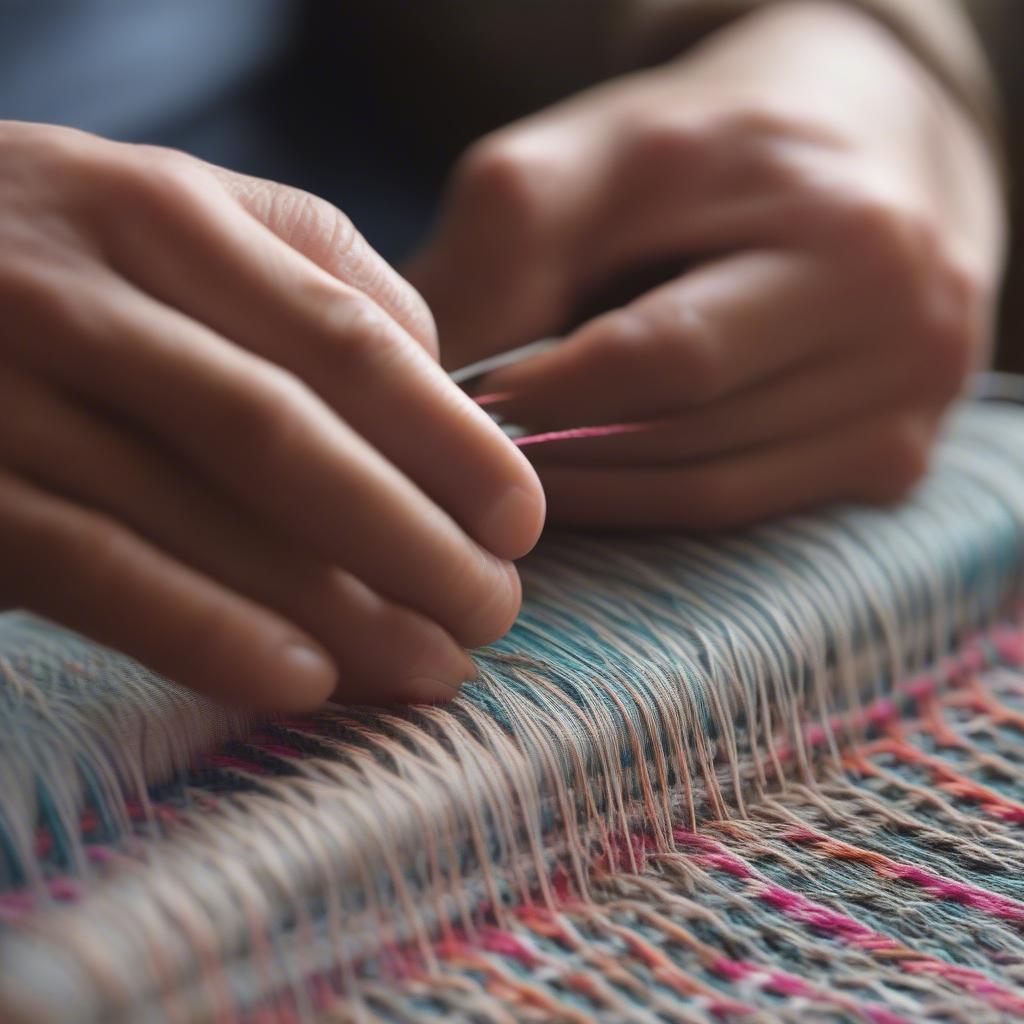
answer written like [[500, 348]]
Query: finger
[[875, 462], [808, 400], [712, 332], [497, 271], [226, 270], [86, 572], [323, 234], [383, 652], [543, 215], [268, 441]]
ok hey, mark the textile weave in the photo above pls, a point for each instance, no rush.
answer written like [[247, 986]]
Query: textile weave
[[770, 776]]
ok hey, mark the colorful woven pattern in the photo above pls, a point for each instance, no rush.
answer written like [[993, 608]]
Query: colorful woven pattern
[[891, 890], [774, 777]]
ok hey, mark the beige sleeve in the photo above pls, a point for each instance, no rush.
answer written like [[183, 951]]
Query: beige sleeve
[[939, 32]]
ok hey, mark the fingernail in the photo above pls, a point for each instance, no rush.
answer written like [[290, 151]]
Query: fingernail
[[426, 690], [442, 681], [467, 669], [513, 525], [310, 669], [581, 433]]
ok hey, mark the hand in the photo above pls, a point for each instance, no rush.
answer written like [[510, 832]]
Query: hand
[[227, 448], [841, 225]]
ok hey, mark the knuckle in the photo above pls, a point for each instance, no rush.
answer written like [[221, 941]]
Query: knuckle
[[410, 310], [675, 337], [163, 158], [56, 152], [156, 181], [871, 221], [668, 142], [47, 303], [389, 301], [360, 330], [894, 248], [612, 341], [888, 236], [757, 120], [615, 344], [269, 418], [385, 301], [312, 224], [497, 166], [316, 227], [508, 177], [695, 351], [99, 552], [750, 144], [25, 285]]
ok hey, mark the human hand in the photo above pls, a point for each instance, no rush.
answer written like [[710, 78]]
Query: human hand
[[227, 448], [841, 222]]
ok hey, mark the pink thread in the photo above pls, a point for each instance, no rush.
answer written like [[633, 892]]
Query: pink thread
[[493, 398], [815, 915], [495, 941], [920, 686], [731, 970], [582, 433], [1010, 645], [228, 761], [790, 985], [65, 888], [270, 745], [808, 912], [989, 902], [878, 1015]]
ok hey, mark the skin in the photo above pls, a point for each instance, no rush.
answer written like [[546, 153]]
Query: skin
[[831, 222], [201, 462]]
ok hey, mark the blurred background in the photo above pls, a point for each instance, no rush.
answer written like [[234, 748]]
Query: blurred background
[[362, 103], [1002, 28]]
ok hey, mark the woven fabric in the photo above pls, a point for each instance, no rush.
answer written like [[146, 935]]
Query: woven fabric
[[888, 889], [770, 776]]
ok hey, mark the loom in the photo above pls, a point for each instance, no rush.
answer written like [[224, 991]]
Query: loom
[[777, 776]]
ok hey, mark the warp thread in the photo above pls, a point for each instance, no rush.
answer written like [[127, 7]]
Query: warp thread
[[650, 686]]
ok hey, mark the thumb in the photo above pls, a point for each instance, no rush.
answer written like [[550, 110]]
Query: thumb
[[326, 237]]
